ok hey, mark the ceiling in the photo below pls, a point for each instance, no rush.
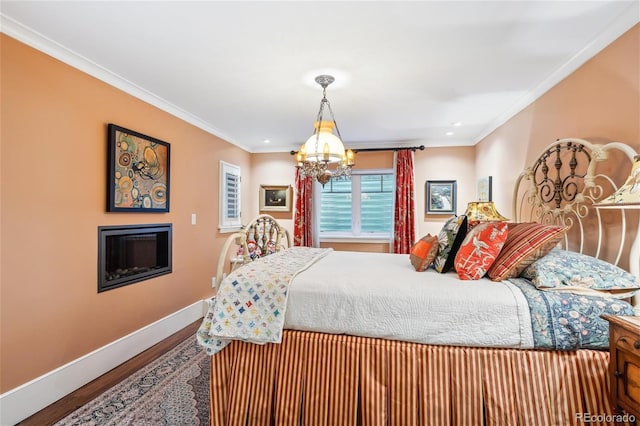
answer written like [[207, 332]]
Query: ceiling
[[438, 73]]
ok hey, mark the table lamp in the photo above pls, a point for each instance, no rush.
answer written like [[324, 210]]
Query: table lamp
[[483, 211]]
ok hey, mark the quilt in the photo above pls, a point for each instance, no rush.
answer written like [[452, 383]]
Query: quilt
[[251, 302], [569, 321]]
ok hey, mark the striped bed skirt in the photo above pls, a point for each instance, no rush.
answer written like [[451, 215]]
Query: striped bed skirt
[[323, 379]]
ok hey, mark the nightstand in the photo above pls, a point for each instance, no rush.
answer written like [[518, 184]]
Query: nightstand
[[624, 363]]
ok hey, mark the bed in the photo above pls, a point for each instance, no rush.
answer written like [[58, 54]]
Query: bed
[[321, 337]]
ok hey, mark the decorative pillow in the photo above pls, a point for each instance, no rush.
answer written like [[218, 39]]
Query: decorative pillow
[[449, 240], [526, 243], [423, 252], [479, 249], [566, 270]]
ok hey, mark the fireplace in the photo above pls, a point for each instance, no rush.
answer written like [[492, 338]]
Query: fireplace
[[132, 253]]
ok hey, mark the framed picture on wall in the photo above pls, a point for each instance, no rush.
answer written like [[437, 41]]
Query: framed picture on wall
[[484, 189], [137, 172], [274, 198], [440, 196]]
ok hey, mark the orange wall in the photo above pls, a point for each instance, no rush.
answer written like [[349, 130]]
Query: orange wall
[[53, 172], [452, 163]]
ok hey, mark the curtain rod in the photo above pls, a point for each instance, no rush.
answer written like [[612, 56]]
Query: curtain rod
[[355, 150], [412, 148]]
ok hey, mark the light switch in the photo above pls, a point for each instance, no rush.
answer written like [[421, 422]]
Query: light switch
[[193, 218]]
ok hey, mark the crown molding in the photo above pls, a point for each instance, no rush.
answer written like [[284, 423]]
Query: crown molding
[[627, 19], [624, 22], [54, 49]]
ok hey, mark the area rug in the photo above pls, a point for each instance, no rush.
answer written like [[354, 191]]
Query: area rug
[[172, 390]]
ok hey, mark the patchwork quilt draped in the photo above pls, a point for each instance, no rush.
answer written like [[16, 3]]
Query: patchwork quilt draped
[[251, 302]]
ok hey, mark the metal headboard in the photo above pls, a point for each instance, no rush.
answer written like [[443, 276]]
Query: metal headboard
[[562, 186], [261, 237]]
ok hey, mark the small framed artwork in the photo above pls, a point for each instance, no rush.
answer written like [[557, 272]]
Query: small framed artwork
[[275, 198], [484, 189], [137, 172], [440, 196]]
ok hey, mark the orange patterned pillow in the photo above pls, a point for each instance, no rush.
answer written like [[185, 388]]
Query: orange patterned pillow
[[423, 252], [479, 249], [526, 243]]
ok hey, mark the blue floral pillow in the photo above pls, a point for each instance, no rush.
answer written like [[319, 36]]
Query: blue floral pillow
[[562, 269]]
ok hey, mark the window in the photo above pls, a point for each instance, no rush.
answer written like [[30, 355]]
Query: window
[[361, 206], [229, 197]]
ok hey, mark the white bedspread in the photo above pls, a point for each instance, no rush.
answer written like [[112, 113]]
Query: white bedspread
[[381, 295]]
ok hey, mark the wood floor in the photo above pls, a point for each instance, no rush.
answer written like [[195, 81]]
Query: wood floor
[[78, 398]]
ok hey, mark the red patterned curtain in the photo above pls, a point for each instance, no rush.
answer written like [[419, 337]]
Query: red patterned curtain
[[302, 229], [404, 215]]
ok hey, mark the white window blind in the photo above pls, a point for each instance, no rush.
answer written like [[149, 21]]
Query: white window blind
[[230, 212], [358, 207]]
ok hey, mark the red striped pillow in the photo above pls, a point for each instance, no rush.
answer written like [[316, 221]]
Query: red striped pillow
[[526, 243]]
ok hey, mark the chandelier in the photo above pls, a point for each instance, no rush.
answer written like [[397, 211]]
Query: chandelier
[[323, 155]]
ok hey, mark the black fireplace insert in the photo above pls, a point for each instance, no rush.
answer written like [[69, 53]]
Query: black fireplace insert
[[132, 253]]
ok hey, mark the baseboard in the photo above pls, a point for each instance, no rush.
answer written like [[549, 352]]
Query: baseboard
[[31, 397]]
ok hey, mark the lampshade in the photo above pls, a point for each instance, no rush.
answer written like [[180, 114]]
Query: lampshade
[[323, 155], [628, 195], [324, 145], [483, 211]]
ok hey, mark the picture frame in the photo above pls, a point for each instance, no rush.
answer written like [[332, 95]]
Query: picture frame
[[275, 198], [440, 196], [138, 171], [484, 189]]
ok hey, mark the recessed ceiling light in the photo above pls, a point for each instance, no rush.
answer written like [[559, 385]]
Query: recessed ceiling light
[[449, 133], [266, 141], [457, 124]]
